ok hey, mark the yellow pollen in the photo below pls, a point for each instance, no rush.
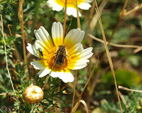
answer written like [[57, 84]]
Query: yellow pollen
[[70, 3]]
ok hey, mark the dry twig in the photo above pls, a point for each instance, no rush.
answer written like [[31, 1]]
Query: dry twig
[[75, 82], [133, 10], [78, 19], [127, 89], [114, 45], [6, 56], [77, 104], [108, 54], [123, 100], [20, 15], [64, 29]]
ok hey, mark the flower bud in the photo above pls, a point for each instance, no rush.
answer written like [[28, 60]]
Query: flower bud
[[33, 94]]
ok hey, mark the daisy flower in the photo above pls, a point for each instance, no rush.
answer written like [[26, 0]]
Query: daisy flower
[[57, 56], [58, 5]]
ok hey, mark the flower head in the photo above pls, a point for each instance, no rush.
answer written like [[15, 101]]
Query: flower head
[[57, 55], [58, 5]]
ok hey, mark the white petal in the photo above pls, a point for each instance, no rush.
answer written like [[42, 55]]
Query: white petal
[[82, 62], [57, 33], [57, 7], [64, 76], [39, 44], [72, 11], [73, 37], [54, 5], [75, 14], [44, 72], [89, 1], [86, 53], [79, 66], [38, 65], [32, 49], [75, 49], [43, 36], [84, 6]]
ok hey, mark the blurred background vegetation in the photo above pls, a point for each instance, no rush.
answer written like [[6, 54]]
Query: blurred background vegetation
[[100, 94]]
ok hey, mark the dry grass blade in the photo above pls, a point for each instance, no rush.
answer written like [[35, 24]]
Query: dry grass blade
[[16, 53], [64, 29], [127, 89], [20, 15], [108, 55], [123, 100], [77, 104], [6, 55], [120, 18], [78, 19], [138, 49], [78, 26], [74, 89], [133, 10], [95, 17], [112, 44]]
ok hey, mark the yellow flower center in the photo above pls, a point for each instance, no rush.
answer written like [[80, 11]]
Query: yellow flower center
[[70, 3]]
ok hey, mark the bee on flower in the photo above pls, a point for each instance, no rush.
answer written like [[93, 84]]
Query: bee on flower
[[58, 5], [57, 55]]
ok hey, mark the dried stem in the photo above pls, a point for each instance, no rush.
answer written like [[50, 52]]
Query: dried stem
[[120, 18], [77, 104], [94, 81], [16, 53], [127, 89], [74, 89], [75, 82], [6, 56], [123, 100], [138, 49], [64, 30], [58, 99], [108, 55], [78, 19], [133, 10], [20, 15], [95, 17], [112, 44]]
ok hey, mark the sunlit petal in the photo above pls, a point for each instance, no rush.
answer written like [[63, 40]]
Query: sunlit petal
[[54, 5], [73, 37], [57, 33], [43, 36], [72, 11], [44, 72], [32, 50], [84, 6], [86, 53], [75, 49], [64, 76], [38, 64]]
